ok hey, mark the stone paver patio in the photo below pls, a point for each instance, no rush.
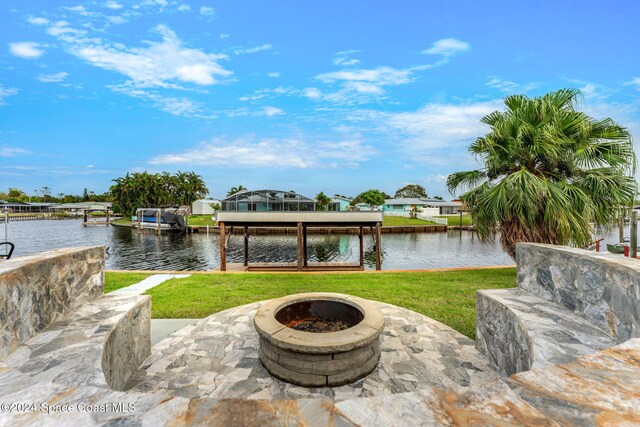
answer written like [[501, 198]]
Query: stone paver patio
[[218, 357]]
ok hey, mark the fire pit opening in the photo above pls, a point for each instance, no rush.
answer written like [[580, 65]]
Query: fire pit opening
[[319, 316], [294, 349]]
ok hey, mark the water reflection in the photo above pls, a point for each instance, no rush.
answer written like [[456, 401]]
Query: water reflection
[[148, 251]]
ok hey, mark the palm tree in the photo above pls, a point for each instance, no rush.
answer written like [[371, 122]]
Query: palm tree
[[549, 172], [235, 190], [322, 201]]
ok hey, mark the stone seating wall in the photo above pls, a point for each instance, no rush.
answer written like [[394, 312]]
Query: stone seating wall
[[37, 290], [568, 303], [64, 329]]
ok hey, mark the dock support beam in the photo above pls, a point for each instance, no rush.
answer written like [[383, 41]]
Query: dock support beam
[[378, 246], [361, 239], [300, 247], [304, 245], [246, 246], [223, 248]]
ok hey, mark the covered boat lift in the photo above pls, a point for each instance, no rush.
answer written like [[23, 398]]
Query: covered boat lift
[[228, 220]]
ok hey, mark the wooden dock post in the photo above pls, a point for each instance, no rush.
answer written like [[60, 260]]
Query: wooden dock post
[[361, 239], [246, 246], [108, 217], [378, 246], [158, 221], [304, 244], [300, 247], [85, 217], [223, 248], [138, 219]]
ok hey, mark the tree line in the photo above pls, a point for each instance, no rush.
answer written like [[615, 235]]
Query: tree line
[[143, 189]]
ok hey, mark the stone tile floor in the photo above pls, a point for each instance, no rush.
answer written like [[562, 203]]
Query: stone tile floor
[[218, 358]]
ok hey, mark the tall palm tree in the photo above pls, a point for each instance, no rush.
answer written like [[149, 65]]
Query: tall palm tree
[[549, 172]]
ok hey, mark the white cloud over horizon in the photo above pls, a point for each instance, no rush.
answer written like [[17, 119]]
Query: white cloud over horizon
[[251, 151]]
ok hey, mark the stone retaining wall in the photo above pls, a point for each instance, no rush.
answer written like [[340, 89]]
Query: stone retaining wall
[[128, 344], [39, 289], [603, 288]]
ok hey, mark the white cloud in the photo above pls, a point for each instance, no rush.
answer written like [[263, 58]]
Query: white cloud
[[269, 93], [184, 8], [269, 152], [274, 74], [13, 151], [447, 47], [5, 92], [255, 49], [113, 5], [178, 106], [438, 134], [207, 11], [361, 85], [157, 65], [508, 86], [27, 50], [343, 58], [37, 20], [117, 19], [312, 93], [81, 10], [224, 36], [635, 82], [52, 78], [382, 76], [272, 111], [439, 125]]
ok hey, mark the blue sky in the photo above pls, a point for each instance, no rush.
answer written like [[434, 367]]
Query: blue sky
[[333, 96]]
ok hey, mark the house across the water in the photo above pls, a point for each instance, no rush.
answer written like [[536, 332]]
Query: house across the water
[[266, 201], [427, 206]]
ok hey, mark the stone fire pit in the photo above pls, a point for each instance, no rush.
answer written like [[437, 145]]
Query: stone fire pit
[[326, 356]]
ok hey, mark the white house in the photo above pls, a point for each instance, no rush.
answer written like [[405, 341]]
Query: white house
[[203, 207]]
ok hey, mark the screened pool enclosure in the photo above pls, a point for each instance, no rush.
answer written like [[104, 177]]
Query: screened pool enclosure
[[267, 201]]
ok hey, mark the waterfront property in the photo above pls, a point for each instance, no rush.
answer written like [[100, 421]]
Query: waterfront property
[[546, 352], [427, 207], [339, 203], [302, 221], [24, 207], [267, 201]]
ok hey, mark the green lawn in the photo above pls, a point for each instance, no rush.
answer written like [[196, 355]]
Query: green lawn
[[445, 296], [401, 220], [117, 280], [123, 221], [201, 220], [455, 219]]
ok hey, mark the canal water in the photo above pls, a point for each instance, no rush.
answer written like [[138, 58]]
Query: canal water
[[171, 251]]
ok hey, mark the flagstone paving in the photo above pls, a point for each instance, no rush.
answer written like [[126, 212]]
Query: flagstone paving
[[218, 357]]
